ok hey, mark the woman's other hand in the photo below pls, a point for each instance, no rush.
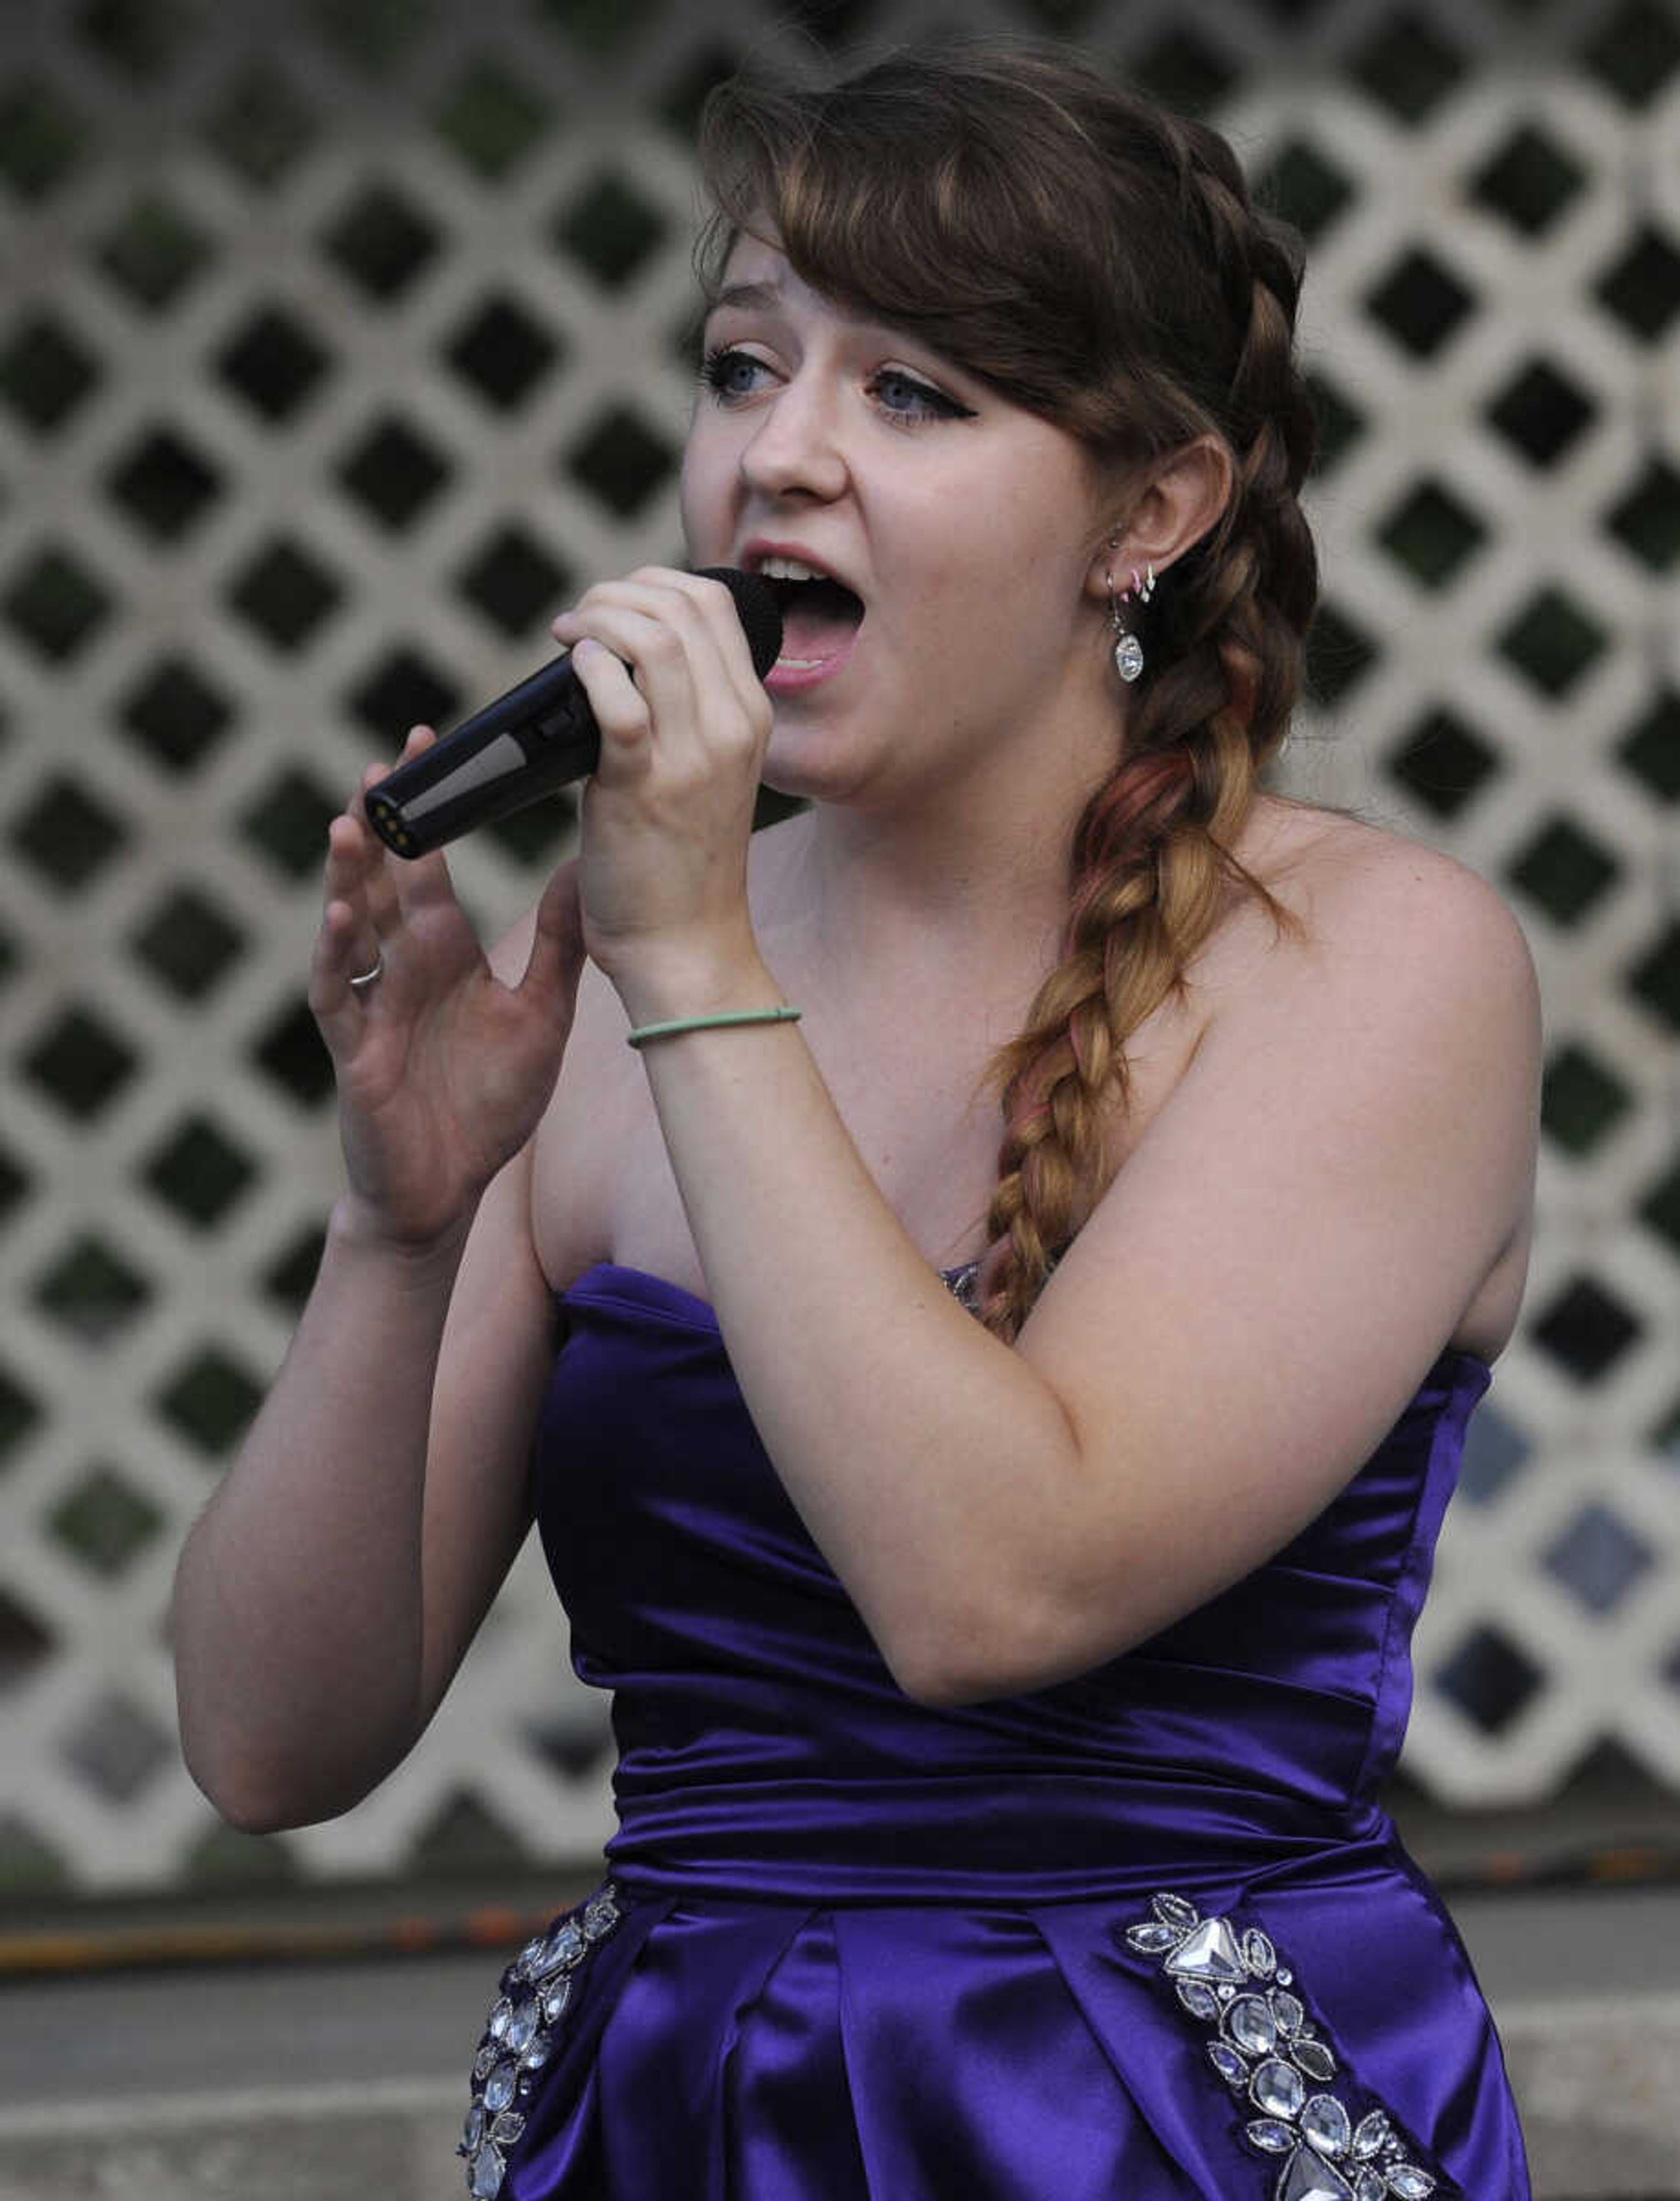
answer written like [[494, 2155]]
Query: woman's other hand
[[444, 1071]]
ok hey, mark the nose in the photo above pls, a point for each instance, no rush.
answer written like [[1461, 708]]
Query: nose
[[795, 449]]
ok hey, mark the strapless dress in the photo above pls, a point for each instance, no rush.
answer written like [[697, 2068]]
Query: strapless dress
[[1145, 1935]]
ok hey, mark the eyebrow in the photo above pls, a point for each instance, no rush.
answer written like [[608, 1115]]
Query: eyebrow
[[750, 297], [770, 297]]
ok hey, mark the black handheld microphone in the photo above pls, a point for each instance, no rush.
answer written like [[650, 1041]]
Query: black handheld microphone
[[527, 743]]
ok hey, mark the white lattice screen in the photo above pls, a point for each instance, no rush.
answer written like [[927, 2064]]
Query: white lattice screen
[[337, 341]]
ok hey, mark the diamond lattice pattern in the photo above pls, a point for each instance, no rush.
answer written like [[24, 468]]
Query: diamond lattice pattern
[[336, 350]]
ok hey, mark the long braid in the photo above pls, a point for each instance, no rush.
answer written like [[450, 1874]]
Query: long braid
[[1152, 853]]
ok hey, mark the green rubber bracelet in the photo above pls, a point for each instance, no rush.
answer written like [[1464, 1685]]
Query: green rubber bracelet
[[781, 1014]]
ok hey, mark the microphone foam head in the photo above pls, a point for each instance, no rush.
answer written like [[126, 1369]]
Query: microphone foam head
[[756, 608]]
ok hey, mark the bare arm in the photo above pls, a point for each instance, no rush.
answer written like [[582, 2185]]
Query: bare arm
[[328, 1592], [327, 1595], [1290, 1245], [1299, 1231]]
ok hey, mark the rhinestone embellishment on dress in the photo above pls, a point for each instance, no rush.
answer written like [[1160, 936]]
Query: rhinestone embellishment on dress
[[1267, 2051], [518, 2035]]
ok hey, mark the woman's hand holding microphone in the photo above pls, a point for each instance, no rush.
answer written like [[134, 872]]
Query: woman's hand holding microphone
[[444, 1071], [683, 721]]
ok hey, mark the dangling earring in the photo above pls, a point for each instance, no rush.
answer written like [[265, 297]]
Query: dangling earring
[[1128, 650]]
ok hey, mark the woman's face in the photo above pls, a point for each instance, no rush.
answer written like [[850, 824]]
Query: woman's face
[[962, 527]]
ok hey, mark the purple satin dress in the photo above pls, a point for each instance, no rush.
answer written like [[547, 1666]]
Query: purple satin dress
[[1143, 1936]]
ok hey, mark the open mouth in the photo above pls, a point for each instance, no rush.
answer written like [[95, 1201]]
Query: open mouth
[[819, 619]]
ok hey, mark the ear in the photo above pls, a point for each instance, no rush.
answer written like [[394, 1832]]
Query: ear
[[1171, 507]]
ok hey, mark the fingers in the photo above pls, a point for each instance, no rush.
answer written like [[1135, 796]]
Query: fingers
[[341, 952], [683, 642], [557, 951], [623, 709], [378, 871], [395, 888], [355, 877], [368, 897]]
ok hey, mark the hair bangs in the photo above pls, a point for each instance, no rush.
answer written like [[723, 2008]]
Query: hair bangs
[[895, 207]]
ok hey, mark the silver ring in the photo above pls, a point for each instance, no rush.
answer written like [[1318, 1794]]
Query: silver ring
[[367, 977]]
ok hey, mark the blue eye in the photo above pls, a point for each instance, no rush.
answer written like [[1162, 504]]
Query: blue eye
[[728, 374], [732, 375], [909, 398]]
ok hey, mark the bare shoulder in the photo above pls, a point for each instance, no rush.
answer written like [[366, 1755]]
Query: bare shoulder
[[1397, 977], [1392, 917], [1336, 1190]]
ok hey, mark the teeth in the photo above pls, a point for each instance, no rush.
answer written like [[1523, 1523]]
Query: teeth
[[789, 569]]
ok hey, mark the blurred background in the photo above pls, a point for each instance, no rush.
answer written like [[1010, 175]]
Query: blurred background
[[342, 342]]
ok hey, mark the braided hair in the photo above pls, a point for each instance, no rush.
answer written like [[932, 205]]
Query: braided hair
[[1098, 261]]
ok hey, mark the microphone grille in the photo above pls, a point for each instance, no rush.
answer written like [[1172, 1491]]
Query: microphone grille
[[756, 608]]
